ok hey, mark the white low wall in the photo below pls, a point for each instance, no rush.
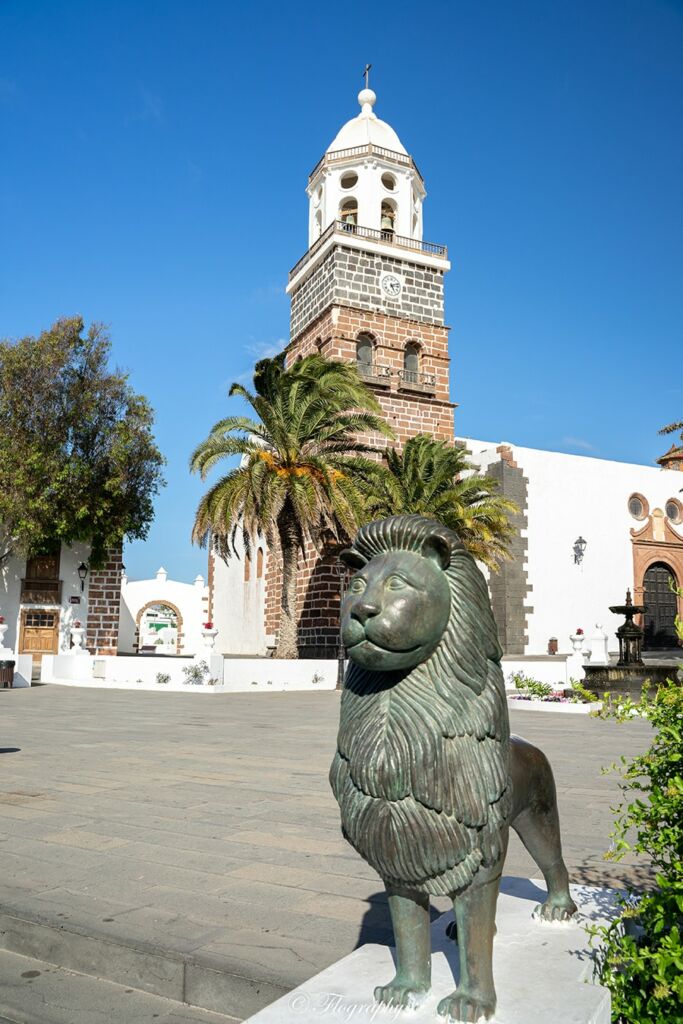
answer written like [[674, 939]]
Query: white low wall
[[233, 675], [275, 674], [23, 670], [557, 669]]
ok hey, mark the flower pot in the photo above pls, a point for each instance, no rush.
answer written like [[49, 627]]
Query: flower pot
[[209, 638]]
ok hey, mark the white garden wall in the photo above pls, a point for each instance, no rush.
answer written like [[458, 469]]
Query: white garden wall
[[234, 675]]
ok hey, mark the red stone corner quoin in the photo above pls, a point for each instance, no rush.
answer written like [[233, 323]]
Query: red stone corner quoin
[[104, 604]]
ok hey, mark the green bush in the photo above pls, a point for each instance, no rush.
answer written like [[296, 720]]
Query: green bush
[[531, 686], [640, 954], [581, 694]]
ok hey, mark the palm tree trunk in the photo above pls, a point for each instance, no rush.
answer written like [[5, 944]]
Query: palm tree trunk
[[287, 646]]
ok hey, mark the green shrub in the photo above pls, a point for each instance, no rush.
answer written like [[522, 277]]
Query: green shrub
[[640, 954], [580, 694], [195, 674], [531, 686]]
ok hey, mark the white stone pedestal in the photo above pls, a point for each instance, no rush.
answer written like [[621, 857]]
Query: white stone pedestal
[[541, 971]]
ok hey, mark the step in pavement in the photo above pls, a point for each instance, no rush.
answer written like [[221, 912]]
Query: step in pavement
[[36, 992]]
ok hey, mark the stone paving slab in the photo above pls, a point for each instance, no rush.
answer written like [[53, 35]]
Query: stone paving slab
[[194, 849]]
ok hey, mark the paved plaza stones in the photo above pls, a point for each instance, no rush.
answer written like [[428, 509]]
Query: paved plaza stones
[[190, 846]]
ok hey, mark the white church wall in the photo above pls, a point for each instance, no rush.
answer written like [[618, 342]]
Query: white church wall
[[238, 605], [190, 599], [572, 496]]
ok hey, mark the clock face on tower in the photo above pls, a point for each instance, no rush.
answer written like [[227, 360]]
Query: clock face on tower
[[391, 285]]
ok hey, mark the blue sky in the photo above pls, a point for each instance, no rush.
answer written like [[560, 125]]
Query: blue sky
[[154, 160]]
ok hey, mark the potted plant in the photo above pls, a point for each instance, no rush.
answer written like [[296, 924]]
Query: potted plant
[[577, 638], [209, 634]]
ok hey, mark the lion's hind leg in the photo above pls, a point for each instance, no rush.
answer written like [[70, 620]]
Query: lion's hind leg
[[537, 824]]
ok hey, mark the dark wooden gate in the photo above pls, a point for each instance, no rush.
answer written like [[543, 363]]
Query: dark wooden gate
[[660, 607]]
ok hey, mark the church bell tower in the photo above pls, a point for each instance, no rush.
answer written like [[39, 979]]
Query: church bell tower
[[370, 289]]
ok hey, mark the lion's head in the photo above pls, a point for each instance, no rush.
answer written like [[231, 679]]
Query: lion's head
[[397, 606], [412, 575]]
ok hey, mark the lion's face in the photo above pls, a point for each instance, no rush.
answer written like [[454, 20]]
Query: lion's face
[[396, 610]]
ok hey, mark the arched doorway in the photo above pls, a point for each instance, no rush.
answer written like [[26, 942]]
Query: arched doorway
[[661, 606], [159, 628]]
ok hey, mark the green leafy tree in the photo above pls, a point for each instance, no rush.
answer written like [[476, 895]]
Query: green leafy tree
[[301, 460], [78, 461], [432, 478], [639, 955]]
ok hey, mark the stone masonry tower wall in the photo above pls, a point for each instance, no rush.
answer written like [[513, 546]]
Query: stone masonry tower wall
[[367, 294]]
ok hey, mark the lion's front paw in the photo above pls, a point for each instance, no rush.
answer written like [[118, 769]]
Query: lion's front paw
[[556, 908], [461, 1006], [400, 993]]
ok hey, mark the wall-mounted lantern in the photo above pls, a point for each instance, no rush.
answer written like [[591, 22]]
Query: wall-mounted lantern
[[579, 549], [82, 573]]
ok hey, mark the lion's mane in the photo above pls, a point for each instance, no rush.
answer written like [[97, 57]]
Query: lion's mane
[[421, 772]]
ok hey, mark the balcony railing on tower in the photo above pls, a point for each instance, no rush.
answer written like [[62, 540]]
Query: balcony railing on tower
[[375, 373], [368, 150], [375, 235], [415, 380]]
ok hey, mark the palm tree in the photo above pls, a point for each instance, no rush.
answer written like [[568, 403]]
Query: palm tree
[[671, 428], [301, 459], [426, 478]]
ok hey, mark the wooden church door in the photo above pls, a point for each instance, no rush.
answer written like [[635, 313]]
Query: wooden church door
[[660, 607]]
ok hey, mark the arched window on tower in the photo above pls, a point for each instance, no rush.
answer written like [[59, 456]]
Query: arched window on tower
[[259, 564], [388, 219], [411, 363], [365, 354], [247, 567], [348, 214], [318, 223]]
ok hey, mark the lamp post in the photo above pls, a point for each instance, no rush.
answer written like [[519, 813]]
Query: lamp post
[[82, 573], [579, 550], [341, 571]]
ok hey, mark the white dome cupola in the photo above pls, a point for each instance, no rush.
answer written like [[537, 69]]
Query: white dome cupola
[[366, 181]]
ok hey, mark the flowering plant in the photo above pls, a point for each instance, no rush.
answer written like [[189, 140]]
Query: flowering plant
[[208, 625], [77, 624], [579, 632], [2, 619]]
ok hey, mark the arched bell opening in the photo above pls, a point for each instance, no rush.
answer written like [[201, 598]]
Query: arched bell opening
[[348, 214], [388, 219]]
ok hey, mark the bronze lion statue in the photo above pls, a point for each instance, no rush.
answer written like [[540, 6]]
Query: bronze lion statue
[[426, 774]]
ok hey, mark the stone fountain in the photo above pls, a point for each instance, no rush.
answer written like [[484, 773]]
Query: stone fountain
[[630, 671]]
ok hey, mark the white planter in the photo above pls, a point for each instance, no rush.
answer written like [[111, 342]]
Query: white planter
[[209, 638], [3, 630], [77, 634], [578, 640]]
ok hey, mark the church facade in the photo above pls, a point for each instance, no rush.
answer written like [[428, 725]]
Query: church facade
[[370, 290]]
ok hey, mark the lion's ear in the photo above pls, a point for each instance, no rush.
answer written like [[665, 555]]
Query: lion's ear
[[352, 558], [438, 549]]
